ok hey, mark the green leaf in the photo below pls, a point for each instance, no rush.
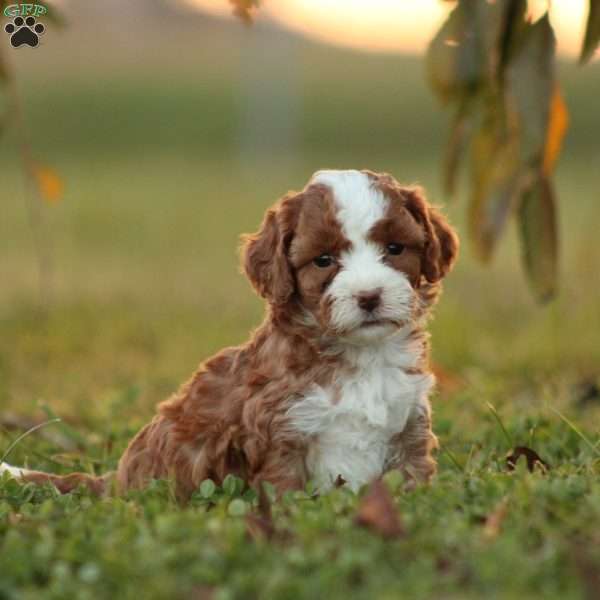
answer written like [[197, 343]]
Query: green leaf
[[468, 51], [460, 132], [529, 84], [515, 22], [454, 61], [237, 508], [496, 23], [232, 485], [495, 175], [539, 238], [592, 32], [207, 488]]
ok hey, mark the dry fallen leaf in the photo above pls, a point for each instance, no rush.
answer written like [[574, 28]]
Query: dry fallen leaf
[[378, 513], [532, 457], [339, 482]]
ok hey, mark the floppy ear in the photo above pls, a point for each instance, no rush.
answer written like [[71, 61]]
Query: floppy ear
[[264, 254], [441, 246]]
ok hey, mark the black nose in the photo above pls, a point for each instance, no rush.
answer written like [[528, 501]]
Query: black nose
[[370, 300]]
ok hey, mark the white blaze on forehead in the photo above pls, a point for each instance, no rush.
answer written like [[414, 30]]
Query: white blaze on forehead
[[359, 205]]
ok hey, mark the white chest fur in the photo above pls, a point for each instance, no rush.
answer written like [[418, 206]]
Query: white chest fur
[[350, 423]]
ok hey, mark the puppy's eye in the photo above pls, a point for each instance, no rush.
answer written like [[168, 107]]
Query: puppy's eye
[[395, 249], [323, 261]]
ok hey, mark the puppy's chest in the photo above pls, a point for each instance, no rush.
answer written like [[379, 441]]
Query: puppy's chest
[[350, 422]]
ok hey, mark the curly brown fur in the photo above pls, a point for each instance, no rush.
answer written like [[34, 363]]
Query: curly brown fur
[[247, 410]]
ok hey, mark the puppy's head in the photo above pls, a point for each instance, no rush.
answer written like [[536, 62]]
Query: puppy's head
[[352, 252]]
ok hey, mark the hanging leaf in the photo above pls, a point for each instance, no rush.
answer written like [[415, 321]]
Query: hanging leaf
[[49, 183], [453, 58], [245, 9], [529, 89], [557, 128], [539, 238], [496, 22], [515, 22], [592, 32], [497, 70], [458, 140], [495, 173]]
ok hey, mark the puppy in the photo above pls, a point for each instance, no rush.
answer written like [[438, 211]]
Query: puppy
[[334, 385]]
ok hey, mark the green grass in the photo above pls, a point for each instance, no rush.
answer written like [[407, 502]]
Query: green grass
[[146, 285]]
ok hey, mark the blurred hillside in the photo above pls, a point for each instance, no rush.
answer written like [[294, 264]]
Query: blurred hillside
[[157, 77]]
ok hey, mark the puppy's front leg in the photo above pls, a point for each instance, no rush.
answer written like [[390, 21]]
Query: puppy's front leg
[[412, 448], [284, 469]]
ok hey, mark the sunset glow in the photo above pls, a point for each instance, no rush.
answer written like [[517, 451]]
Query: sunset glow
[[390, 25]]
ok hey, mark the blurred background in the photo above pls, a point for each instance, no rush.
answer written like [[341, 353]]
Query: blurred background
[[174, 127]]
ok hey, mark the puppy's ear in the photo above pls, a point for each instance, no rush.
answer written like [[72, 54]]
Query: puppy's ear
[[441, 247], [264, 254]]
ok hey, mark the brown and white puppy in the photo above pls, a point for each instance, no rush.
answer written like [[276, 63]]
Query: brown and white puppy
[[335, 382]]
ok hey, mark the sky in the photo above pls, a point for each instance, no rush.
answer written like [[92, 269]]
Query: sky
[[393, 25]]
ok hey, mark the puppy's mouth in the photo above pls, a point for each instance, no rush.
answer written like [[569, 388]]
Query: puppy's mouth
[[373, 321]]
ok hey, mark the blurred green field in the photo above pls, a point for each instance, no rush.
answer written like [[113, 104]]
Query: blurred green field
[[168, 156]]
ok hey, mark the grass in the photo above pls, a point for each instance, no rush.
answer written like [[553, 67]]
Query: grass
[[164, 169]]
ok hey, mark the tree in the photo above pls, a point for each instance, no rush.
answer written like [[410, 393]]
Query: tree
[[41, 182], [495, 69]]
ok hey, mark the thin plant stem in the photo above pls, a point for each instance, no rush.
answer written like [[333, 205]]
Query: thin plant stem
[[25, 434], [499, 420], [33, 201], [578, 431]]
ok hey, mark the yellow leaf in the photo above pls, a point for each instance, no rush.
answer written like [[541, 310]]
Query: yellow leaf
[[50, 184], [539, 238], [558, 124], [245, 10]]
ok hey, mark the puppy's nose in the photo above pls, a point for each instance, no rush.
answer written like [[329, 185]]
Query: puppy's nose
[[370, 300]]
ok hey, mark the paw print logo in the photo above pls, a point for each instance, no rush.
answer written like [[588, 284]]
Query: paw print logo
[[24, 31]]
